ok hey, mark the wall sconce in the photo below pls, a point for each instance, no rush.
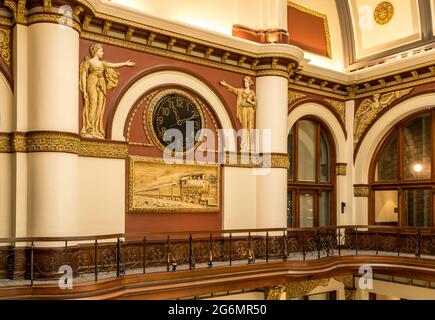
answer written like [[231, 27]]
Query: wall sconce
[[418, 169]]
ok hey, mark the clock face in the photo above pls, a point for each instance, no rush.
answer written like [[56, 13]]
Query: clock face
[[175, 109]]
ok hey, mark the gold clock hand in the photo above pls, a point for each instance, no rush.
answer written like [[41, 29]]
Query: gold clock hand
[[177, 117]]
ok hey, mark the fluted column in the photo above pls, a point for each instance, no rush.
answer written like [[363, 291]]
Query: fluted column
[[53, 106], [272, 92]]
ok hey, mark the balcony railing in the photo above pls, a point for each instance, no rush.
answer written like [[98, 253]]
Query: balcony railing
[[26, 261]]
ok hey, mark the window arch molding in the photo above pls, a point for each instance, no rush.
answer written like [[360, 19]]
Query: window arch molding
[[378, 131], [318, 192], [321, 112], [402, 173]]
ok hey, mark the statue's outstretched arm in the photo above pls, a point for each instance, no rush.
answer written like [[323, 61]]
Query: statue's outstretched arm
[[119, 65], [228, 87]]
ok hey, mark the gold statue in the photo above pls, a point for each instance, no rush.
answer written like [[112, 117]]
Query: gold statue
[[246, 105], [96, 77], [369, 109]]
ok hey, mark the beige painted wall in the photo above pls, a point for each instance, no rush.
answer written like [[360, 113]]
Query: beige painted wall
[[6, 115], [5, 195], [101, 208], [219, 16], [239, 203], [397, 290]]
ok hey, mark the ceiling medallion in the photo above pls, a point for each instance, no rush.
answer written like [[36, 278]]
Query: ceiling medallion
[[384, 12]]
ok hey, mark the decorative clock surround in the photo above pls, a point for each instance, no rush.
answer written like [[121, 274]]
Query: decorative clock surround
[[175, 109]]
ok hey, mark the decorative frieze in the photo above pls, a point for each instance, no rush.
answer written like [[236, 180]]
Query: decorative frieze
[[341, 169], [303, 288], [274, 292], [340, 108], [361, 191], [369, 109], [5, 45], [294, 96], [49, 141]]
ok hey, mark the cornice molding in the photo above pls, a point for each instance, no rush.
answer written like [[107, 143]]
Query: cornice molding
[[62, 142]]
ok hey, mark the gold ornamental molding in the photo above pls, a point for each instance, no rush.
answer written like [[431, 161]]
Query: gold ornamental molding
[[340, 107], [369, 110], [5, 143], [274, 293], [162, 52], [103, 149], [361, 190], [5, 45], [341, 169], [5, 22], [384, 12], [54, 18], [294, 96], [52, 142], [49, 141], [247, 160], [303, 288], [18, 8], [278, 73]]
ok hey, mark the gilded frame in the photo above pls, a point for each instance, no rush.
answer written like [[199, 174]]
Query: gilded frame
[[156, 162]]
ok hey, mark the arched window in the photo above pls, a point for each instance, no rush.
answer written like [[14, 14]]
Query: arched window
[[311, 177], [402, 175]]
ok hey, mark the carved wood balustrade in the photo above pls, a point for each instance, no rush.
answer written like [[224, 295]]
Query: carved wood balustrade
[[113, 256]]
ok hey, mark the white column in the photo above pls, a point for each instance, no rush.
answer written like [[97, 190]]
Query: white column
[[262, 14], [20, 124], [6, 120], [53, 106], [272, 96]]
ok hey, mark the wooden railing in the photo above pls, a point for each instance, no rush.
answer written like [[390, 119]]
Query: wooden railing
[[112, 256]]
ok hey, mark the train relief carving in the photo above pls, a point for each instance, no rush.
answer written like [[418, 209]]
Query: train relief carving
[[155, 186]]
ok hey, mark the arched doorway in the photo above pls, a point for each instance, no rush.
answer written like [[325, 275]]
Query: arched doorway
[[311, 176], [402, 174]]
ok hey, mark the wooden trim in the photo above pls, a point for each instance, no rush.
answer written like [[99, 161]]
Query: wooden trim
[[401, 185], [311, 99], [205, 281], [315, 187]]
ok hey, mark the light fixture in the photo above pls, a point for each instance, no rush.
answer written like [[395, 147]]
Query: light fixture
[[418, 168]]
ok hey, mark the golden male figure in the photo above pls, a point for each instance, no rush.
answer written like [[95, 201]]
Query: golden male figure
[[96, 77], [246, 106]]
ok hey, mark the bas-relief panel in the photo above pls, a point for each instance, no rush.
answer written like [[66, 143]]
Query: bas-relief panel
[[156, 186]]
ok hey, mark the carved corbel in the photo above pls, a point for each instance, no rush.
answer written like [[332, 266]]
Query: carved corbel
[[225, 57], [274, 293], [106, 27], [87, 22], [18, 9], [190, 48], [208, 53], [171, 43], [255, 63], [77, 12], [47, 5], [129, 33], [151, 38], [241, 61]]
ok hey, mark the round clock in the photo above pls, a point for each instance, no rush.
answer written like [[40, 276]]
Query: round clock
[[177, 111]]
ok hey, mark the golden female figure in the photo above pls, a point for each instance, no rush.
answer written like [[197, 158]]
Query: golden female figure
[[96, 77], [246, 105]]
